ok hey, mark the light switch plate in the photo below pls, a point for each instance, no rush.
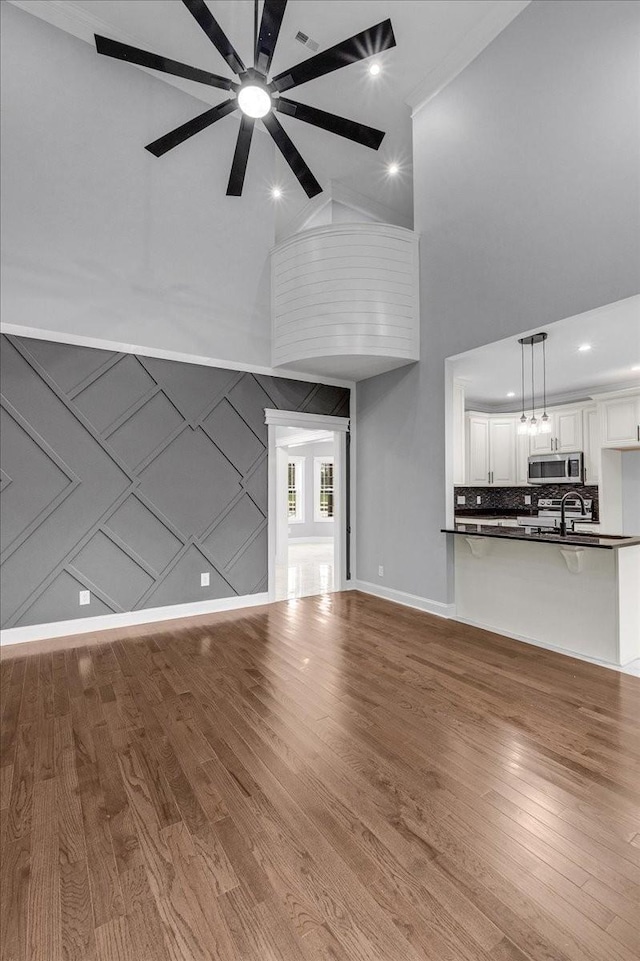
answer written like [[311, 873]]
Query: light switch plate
[[205, 579], [381, 571], [478, 499], [461, 499], [527, 500], [84, 597]]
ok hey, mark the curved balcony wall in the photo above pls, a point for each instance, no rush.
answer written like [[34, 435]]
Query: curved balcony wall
[[345, 300]]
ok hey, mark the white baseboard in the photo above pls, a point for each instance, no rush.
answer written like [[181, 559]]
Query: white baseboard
[[547, 647], [91, 625], [408, 600]]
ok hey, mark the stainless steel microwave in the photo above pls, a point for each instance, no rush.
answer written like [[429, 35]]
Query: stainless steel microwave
[[556, 468]]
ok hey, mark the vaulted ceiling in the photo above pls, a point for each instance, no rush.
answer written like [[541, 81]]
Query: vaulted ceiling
[[435, 39]]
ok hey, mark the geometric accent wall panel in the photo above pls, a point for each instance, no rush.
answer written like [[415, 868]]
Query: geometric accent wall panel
[[128, 476]]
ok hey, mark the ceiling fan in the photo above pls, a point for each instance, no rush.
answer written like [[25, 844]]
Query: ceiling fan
[[254, 94]]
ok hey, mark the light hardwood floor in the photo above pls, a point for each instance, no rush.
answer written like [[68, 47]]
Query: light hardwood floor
[[335, 778]]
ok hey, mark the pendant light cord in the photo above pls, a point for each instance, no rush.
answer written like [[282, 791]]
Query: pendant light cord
[[533, 389], [522, 378], [544, 374]]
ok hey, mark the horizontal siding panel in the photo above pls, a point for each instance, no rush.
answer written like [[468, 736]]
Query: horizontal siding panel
[[345, 291], [339, 288]]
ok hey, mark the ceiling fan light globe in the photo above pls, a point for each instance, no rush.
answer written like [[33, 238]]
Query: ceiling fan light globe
[[254, 101]]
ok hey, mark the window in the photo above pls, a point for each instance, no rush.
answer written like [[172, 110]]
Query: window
[[323, 489], [295, 490]]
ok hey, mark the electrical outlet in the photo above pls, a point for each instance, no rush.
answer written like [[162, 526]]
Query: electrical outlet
[[461, 500], [205, 579], [478, 499], [84, 597], [527, 500], [381, 571]]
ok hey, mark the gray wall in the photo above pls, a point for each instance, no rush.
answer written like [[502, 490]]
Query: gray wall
[[100, 238], [631, 492], [526, 196], [310, 528], [129, 476]]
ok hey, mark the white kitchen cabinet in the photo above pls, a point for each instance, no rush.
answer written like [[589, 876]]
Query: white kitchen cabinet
[[568, 432], [591, 434], [478, 450], [565, 434], [543, 443], [620, 421], [502, 451], [491, 450]]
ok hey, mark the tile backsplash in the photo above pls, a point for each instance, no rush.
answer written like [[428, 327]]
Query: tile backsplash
[[512, 498]]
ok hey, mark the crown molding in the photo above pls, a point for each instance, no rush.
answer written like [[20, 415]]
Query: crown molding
[[83, 25], [471, 45], [580, 396]]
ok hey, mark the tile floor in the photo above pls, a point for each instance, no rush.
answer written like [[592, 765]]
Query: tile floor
[[309, 571]]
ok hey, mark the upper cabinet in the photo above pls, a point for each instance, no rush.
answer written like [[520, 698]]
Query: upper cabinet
[[478, 450], [620, 421], [566, 433], [496, 455], [491, 452], [502, 450]]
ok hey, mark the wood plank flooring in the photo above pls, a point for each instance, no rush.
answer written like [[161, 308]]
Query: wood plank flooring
[[331, 778]]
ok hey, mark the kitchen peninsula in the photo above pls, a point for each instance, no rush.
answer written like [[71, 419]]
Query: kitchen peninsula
[[579, 594]]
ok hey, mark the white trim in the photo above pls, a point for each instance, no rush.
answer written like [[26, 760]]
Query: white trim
[[284, 418], [407, 600], [294, 418], [104, 622], [471, 45], [78, 340], [547, 647]]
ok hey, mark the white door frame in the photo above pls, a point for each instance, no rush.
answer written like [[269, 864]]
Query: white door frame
[[293, 418]]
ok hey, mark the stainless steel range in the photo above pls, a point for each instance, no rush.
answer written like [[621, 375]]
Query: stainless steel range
[[549, 510]]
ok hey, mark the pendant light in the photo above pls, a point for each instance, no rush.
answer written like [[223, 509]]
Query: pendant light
[[532, 426], [522, 425], [545, 423], [533, 423]]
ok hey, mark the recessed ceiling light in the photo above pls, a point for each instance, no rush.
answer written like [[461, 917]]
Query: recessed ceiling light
[[511, 393], [584, 347], [374, 69], [393, 169], [276, 193]]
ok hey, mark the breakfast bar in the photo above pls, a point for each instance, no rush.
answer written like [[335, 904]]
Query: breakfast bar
[[578, 593]]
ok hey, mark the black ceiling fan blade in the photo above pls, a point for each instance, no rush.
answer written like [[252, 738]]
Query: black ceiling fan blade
[[368, 136], [272, 14], [240, 157], [191, 127], [359, 47], [291, 154], [122, 51], [200, 11]]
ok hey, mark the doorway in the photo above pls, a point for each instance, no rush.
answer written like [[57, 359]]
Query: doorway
[[307, 500]]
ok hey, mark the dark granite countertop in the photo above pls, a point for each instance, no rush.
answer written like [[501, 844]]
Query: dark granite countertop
[[609, 542]]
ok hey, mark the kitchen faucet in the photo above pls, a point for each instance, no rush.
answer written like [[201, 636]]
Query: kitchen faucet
[[563, 519]]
